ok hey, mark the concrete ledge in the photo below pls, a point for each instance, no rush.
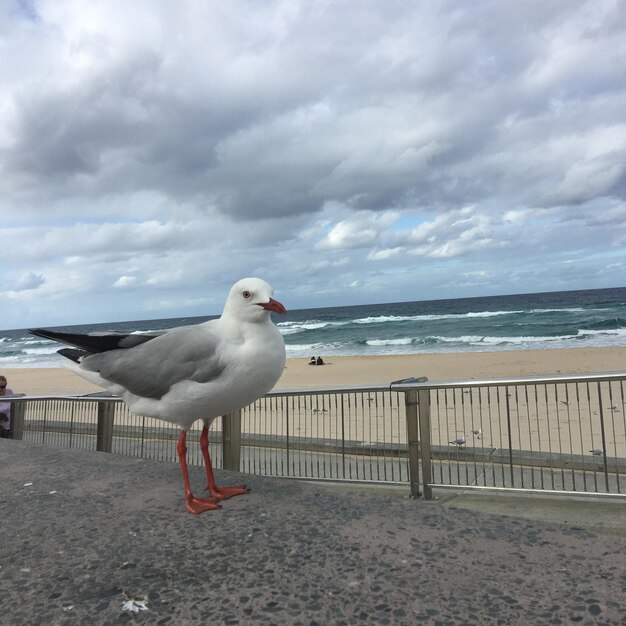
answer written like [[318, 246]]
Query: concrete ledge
[[85, 532]]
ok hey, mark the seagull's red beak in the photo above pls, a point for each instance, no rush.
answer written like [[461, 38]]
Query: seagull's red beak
[[274, 305]]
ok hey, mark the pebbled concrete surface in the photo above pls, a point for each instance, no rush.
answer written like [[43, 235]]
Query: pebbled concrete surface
[[93, 531]]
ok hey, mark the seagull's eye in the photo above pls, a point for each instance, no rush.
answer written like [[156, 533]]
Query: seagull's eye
[[246, 294]]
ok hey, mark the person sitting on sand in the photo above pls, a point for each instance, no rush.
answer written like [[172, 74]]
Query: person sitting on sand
[[312, 361], [320, 361]]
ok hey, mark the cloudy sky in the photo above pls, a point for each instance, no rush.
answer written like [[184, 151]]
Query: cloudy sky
[[153, 152]]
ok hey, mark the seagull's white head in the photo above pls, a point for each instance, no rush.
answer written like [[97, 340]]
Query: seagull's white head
[[250, 299]]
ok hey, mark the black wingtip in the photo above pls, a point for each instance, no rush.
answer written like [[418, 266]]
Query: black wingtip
[[73, 354], [95, 342]]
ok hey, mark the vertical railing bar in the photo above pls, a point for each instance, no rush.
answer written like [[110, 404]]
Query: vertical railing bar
[[519, 433], [473, 427], [613, 408], [582, 440], [530, 438], [591, 427], [323, 434], [299, 455], [481, 428], [315, 460], [446, 460], [508, 424], [270, 411], [549, 429], [45, 422], [268, 427], [490, 418], [623, 410], [380, 440], [559, 428], [458, 448], [498, 389], [307, 430], [352, 465], [367, 465], [540, 449], [603, 434], [465, 433], [389, 439], [143, 434], [377, 426], [437, 394], [270, 454], [445, 466], [340, 461], [287, 433], [73, 408], [569, 429], [280, 434], [343, 438]]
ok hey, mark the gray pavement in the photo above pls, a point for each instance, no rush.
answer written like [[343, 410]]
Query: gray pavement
[[85, 534]]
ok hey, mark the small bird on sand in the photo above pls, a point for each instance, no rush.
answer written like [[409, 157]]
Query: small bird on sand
[[460, 442], [477, 432], [191, 372], [597, 452]]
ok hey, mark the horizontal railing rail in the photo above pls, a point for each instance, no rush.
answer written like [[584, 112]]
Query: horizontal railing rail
[[560, 433]]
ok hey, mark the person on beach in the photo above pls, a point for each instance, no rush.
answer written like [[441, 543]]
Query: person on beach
[[5, 433], [312, 361], [320, 361], [5, 407]]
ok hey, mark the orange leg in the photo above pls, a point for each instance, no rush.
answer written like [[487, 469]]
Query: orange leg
[[220, 493], [193, 504]]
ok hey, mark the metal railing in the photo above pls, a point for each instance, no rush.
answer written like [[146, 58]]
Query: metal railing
[[564, 434]]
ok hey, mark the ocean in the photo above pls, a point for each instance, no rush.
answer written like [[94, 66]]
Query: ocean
[[565, 319]]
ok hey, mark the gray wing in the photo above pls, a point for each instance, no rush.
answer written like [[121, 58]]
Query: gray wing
[[149, 370]]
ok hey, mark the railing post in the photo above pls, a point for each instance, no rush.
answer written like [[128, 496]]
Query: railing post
[[106, 417], [603, 435], [231, 441], [412, 429], [18, 409], [426, 453]]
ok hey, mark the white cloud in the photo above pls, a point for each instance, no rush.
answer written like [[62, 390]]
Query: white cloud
[[384, 254], [125, 281], [360, 230]]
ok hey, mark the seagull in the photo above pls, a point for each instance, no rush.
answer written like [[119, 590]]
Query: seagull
[[460, 442], [191, 372], [597, 452], [477, 432]]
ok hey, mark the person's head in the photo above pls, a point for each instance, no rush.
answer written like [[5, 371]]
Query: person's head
[[3, 385]]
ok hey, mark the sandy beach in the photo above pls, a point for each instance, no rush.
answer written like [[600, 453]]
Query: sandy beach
[[365, 370]]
